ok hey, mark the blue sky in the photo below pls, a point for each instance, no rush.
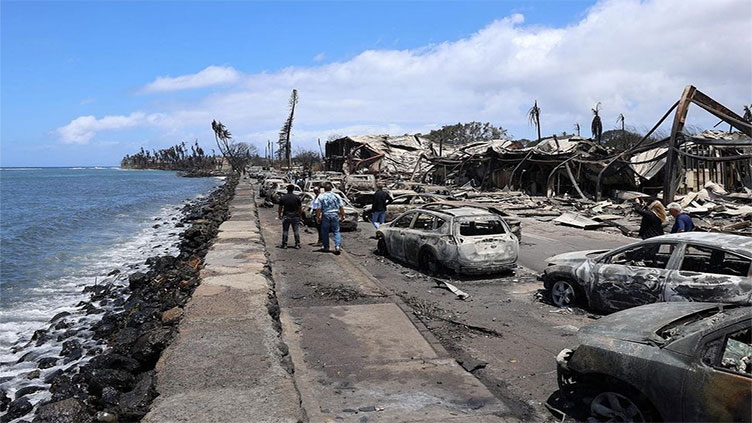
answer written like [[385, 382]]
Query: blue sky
[[84, 83]]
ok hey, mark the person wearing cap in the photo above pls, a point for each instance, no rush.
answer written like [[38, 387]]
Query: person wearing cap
[[381, 199], [330, 214], [290, 212], [682, 221], [653, 218]]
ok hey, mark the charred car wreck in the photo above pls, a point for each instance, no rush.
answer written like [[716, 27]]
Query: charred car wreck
[[691, 266], [669, 362], [464, 239]]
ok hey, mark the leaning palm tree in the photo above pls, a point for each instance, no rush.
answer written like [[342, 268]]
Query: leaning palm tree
[[533, 115], [223, 137], [596, 127]]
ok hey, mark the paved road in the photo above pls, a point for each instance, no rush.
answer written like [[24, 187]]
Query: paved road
[[541, 240], [503, 334], [357, 355]]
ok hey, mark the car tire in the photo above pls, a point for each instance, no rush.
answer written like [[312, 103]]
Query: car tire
[[563, 293], [428, 263], [381, 248], [621, 405]]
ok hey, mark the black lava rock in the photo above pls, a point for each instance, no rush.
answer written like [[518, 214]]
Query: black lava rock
[[137, 280], [70, 346], [17, 409], [135, 404], [47, 362], [70, 410], [4, 400], [26, 390]]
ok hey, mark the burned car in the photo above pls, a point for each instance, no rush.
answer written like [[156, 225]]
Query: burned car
[[669, 362], [269, 184], [690, 266], [274, 193], [514, 224], [402, 203], [351, 213], [464, 239]]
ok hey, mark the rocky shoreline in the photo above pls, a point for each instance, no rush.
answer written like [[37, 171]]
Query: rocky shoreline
[[139, 319]]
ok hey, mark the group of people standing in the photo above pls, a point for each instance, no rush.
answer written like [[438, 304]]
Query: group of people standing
[[329, 210], [654, 217]]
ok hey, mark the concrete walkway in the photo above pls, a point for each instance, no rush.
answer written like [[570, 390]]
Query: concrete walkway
[[226, 364]]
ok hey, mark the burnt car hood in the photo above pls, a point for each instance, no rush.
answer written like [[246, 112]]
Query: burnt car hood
[[573, 258], [640, 324]]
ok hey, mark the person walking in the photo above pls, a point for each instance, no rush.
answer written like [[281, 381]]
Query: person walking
[[381, 199], [315, 205], [290, 212], [653, 218], [682, 221], [330, 213]]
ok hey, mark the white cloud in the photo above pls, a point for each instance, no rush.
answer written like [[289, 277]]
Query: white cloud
[[319, 57], [82, 129], [212, 75], [633, 56]]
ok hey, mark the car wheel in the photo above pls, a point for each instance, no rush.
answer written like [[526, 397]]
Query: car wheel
[[610, 406], [428, 263], [381, 248], [563, 293]]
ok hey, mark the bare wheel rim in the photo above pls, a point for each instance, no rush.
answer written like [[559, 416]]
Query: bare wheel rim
[[562, 293], [614, 407]]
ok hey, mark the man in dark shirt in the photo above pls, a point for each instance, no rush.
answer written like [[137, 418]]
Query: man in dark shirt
[[290, 212], [381, 199]]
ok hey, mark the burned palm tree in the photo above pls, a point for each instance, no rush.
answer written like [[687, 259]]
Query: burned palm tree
[[533, 116], [284, 133], [596, 127], [223, 137], [577, 128]]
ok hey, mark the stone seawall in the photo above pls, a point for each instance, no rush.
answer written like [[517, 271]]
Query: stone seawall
[[228, 363]]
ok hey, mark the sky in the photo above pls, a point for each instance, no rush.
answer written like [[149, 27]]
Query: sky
[[85, 83]]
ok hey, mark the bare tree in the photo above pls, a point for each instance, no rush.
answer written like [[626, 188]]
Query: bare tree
[[285, 132], [533, 115], [577, 128], [596, 127], [747, 114]]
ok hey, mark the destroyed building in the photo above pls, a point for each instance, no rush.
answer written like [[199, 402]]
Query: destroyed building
[[379, 154], [710, 173]]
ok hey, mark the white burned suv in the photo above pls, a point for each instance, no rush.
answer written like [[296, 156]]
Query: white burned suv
[[464, 239]]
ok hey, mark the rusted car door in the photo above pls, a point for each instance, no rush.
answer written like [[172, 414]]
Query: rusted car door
[[718, 386], [395, 236], [419, 234], [712, 275], [631, 276]]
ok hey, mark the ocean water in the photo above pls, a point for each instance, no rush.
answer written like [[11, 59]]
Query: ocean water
[[62, 229]]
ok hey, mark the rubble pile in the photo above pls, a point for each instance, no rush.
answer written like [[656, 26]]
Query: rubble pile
[[712, 208]]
